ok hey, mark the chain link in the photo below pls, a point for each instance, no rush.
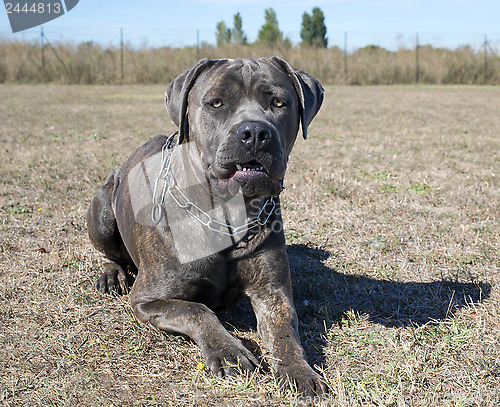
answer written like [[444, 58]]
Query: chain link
[[165, 184]]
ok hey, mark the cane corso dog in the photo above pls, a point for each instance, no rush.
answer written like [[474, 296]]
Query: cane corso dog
[[242, 116]]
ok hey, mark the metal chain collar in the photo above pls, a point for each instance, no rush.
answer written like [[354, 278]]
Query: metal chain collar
[[165, 184]]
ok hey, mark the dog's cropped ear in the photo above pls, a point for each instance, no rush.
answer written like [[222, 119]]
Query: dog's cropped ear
[[176, 95], [310, 92]]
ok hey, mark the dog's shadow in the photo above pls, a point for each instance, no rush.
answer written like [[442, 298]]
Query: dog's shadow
[[323, 295]]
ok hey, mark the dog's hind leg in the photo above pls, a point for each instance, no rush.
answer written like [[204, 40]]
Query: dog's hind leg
[[105, 236]]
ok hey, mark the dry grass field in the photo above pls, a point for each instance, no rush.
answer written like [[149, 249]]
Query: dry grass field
[[391, 212]]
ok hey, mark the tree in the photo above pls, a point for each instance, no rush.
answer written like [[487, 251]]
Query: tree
[[223, 34], [319, 28], [313, 30], [306, 32], [270, 32], [237, 34], [226, 35]]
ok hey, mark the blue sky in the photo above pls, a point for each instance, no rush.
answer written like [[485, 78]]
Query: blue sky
[[388, 23]]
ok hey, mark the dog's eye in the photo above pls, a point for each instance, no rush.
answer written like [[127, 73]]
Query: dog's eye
[[278, 102], [216, 103]]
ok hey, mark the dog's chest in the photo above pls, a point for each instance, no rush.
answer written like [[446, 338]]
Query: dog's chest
[[213, 281]]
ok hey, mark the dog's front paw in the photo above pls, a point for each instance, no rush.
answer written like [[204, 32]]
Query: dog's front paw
[[114, 280], [302, 378], [230, 360]]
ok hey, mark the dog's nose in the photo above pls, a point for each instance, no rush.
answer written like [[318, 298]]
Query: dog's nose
[[254, 135]]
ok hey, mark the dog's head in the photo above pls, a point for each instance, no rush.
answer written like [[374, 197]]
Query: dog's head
[[244, 116]]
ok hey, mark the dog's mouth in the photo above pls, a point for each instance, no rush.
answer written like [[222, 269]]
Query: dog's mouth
[[252, 178]]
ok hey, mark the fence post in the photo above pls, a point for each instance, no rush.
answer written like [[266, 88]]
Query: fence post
[[198, 45], [121, 54], [417, 73], [485, 59], [345, 55], [42, 45]]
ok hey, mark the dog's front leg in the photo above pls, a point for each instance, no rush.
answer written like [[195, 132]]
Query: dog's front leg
[[224, 354], [277, 323]]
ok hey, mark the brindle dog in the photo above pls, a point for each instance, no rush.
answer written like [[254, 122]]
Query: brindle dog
[[244, 117]]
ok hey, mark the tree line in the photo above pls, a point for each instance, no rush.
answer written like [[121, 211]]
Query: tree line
[[312, 33]]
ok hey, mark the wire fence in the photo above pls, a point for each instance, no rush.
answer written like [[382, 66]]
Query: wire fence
[[349, 59]]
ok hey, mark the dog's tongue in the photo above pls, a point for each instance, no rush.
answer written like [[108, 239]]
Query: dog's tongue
[[248, 175]]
